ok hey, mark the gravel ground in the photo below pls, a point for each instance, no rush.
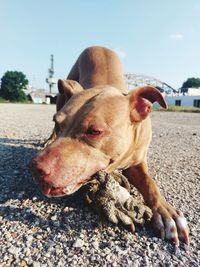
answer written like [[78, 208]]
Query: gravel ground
[[36, 231]]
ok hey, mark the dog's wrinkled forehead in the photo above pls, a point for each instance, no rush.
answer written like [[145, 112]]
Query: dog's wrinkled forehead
[[93, 101]]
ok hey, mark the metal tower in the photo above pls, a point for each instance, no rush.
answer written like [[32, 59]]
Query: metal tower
[[51, 80]]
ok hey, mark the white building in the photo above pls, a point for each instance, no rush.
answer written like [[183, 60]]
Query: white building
[[193, 92], [183, 100], [40, 96], [191, 98]]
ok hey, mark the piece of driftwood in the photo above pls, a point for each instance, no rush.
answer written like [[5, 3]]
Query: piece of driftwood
[[112, 196]]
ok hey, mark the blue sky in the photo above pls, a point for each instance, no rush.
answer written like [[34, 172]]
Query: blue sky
[[152, 37]]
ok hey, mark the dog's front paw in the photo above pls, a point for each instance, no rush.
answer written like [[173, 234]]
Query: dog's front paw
[[170, 223]]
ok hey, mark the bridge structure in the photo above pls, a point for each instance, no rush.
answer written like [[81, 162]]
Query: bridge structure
[[134, 80]]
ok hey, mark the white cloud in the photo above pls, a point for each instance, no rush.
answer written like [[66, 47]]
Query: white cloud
[[176, 36], [121, 53], [196, 6]]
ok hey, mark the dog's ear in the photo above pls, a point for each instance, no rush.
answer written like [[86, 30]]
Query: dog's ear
[[141, 100], [69, 87]]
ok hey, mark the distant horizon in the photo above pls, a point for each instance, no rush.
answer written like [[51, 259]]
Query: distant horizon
[[156, 39], [46, 88], [57, 78]]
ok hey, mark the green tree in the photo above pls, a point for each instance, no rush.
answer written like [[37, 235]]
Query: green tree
[[190, 83], [12, 85]]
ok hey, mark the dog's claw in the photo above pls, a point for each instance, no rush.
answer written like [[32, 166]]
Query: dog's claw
[[158, 225], [170, 224], [132, 228], [182, 227], [186, 238]]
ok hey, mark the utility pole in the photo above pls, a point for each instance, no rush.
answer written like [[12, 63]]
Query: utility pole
[[50, 80]]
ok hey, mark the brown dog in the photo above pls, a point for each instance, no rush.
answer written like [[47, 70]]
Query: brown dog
[[104, 128]]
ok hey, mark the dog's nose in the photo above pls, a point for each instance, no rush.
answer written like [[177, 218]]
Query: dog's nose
[[43, 170], [39, 168]]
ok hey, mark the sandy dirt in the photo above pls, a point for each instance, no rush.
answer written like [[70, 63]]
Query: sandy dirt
[[36, 231]]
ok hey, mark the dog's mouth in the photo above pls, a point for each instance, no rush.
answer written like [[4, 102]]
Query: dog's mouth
[[63, 184], [51, 191]]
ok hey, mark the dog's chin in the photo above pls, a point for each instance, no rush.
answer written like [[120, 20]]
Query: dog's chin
[[60, 191]]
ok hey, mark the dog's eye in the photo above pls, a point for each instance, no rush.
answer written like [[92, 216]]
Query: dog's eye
[[94, 131]]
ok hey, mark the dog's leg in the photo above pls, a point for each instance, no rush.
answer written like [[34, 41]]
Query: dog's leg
[[169, 222]]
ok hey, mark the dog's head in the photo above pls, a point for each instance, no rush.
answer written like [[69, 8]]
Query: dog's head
[[97, 128]]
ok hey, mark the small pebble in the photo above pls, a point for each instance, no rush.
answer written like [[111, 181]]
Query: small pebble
[[79, 243]]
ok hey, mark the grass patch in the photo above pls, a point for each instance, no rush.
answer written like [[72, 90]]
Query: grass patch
[[2, 100], [178, 109], [20, 102]]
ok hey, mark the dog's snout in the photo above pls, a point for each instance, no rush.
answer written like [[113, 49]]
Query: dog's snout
[[39, 169], [43, 170]]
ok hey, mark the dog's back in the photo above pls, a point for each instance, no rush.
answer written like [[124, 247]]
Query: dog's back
[[98, 66]]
